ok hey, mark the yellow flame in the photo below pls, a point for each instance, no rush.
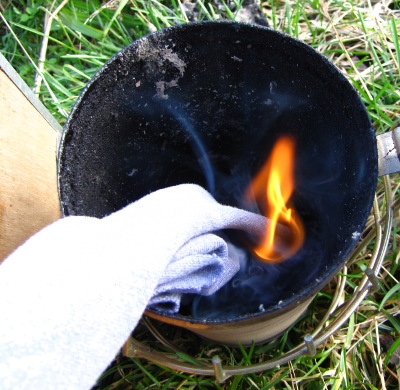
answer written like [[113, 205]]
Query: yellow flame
[[273, 186]]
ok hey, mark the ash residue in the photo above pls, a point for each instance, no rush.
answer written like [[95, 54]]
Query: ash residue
[[161, 86], [148, 51], [160, 61]]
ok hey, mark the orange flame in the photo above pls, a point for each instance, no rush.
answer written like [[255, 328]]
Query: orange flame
[[273, 186]]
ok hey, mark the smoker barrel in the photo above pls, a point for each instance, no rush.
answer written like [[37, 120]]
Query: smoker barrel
[[204, 103]]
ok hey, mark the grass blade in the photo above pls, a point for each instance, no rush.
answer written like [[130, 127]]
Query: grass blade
[[388, 295], [393, 348], [121, 6]]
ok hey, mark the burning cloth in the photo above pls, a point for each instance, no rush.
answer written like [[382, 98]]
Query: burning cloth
[[73, 293]]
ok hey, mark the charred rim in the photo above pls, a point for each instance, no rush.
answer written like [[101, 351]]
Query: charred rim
[[204, 103]]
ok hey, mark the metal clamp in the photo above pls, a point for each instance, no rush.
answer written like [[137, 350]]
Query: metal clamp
[[311, 348], [388, 145], [374, 286], [219, 373]]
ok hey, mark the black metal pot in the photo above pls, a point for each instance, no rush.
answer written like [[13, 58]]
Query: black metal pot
[[204, 103]]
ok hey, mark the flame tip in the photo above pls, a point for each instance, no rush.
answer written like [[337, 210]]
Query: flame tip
[[275, 185]]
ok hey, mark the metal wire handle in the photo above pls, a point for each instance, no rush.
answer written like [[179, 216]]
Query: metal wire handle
[[338, 313]]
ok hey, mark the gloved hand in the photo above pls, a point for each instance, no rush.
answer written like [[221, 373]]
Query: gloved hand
[[73, 293]]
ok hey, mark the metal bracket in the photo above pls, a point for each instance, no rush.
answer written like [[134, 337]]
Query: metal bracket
[[220, 374], [311, 348], [374, 286], [388, 145]]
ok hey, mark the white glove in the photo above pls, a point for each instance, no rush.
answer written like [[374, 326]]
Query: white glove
[[72, 294]]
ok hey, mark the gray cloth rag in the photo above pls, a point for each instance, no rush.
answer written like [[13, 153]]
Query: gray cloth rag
[[72, 294], [201, 266]]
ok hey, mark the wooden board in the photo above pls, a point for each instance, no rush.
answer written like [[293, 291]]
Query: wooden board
[[28, 168]]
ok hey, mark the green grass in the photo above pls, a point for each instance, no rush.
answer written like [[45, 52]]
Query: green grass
[[362, 39]]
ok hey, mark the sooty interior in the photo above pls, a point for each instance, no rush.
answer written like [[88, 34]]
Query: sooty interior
[[204, 103]]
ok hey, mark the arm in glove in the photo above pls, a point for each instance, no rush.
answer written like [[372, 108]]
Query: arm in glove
[[73, 293]]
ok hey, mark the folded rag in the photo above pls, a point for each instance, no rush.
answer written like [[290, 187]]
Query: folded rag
[[201, 266], [73, 293]]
